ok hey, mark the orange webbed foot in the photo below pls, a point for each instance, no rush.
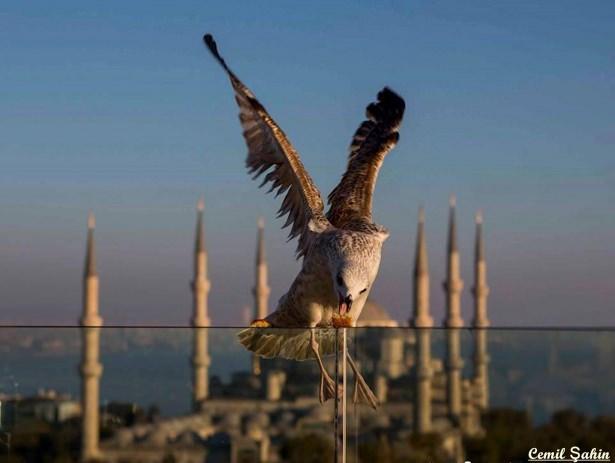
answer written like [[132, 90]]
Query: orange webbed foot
[[341, 321], [260, 323]]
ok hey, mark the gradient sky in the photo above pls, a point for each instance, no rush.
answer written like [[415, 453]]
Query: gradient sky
[[117, 107]]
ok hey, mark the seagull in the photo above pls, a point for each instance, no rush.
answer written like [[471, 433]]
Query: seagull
[[340, 249]]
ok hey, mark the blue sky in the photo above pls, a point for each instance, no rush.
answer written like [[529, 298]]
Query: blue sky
[[117, 107]]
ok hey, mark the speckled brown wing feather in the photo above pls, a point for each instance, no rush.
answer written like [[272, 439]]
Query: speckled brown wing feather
[[269, 150], [351, 199]]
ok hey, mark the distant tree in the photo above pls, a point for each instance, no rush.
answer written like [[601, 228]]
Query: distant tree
[[383, 450], [307, 448], [510, 435], [37, 441], [602, 429], [12, 458], [378, 449], [426, 447]]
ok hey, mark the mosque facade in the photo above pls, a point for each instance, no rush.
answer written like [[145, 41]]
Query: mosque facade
[[249, 418]]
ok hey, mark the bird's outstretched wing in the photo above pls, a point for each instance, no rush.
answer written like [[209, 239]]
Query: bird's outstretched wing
[[351, 199], [268, 148]]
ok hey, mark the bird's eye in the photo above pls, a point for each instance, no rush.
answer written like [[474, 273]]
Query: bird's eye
[[340, 280], [363, 290]]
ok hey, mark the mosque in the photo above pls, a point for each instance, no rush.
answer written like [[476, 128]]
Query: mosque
[[250, 417]]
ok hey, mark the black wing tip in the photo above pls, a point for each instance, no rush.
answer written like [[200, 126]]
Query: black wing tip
[[386, 95], [211, 44], [209, 41], [389, 108]]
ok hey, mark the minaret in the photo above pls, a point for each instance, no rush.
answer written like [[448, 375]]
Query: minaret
[[422, 320], [200, 316], [421, 317], [424, 375], [453, 286], [480, 289], [90, 368], [261, 288], [480, 322], [454, 366]]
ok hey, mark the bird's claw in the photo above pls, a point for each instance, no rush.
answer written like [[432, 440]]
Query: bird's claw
[[327, 389], [363, 394]]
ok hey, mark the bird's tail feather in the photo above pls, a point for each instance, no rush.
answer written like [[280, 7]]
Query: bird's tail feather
[[287, 343]]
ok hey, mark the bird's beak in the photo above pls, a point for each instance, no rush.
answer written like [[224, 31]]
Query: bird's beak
[[344, 305]]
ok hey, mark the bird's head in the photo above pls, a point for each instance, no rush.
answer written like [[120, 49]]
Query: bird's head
[[350, 284], [353, 270]]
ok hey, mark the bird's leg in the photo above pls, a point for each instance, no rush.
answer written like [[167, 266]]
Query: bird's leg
[[327, 385], [362, 393]]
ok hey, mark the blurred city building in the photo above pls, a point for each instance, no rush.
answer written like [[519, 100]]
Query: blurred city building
[[249, 417]]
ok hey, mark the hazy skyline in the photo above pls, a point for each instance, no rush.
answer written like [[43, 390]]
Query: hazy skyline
[[118, 108]]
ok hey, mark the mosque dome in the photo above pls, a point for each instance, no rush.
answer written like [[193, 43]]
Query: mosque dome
[[373, 314]]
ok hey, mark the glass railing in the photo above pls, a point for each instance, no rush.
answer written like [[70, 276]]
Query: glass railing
[[196, 395]]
